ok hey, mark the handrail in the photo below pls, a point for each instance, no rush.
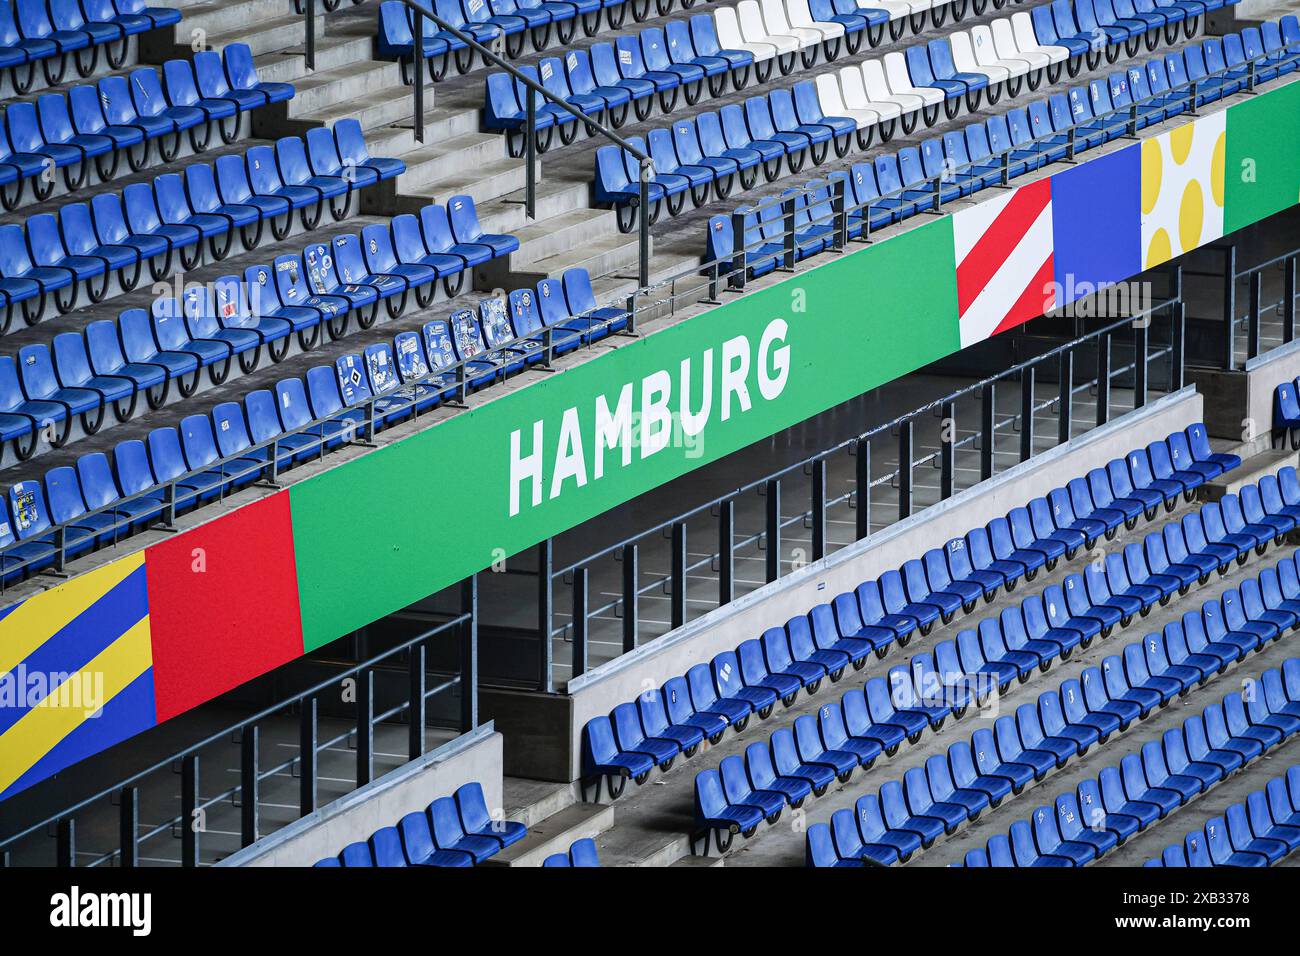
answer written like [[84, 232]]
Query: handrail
[[419, 13], [230, 729]]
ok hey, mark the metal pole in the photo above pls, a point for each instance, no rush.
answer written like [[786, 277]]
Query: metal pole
[[365, 727], [417, 713], [189, 805], [726, 556], [1064, 419], [643, 231], [988, 436], [947, 450], [818, 509], [579, 621], [1027, 377], [307, 757], [1140, 336], [773, 536], [311, 34], [1288, 300], [417, 71], [469, 655], [1103, 379], [1252, 320], [248, 786], [904, 469], [1230, 307], [129, 817], [530, 155], [679, 575], [65, 848], [863, 483], [631, 606], [545, 616]]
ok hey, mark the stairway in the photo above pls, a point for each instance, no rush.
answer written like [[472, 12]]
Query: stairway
[[456, 157]]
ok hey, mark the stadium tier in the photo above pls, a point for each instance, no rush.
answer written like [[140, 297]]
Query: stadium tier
[[390, 474]]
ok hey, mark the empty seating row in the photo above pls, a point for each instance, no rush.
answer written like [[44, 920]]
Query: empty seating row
[[989, 153], [685, 55], [170, 221], [1259, 831], [581, 853], [800, 124], [48, 31], [494, 21], [1025, 747], [452, 831], [855, 624], [101, 501], [122, 115], [1146, 787]]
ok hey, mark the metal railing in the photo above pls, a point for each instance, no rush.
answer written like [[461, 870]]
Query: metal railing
[[186, 825], [420, 13], [722, 509]]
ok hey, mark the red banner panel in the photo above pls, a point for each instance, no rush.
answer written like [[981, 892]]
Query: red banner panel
[[223, 604]]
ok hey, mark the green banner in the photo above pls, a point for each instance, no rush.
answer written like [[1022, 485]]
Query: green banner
[[412, 518], [1262, 172]]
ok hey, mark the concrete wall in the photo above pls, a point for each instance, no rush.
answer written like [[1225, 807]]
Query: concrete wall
[[1236, 398], [622, 679], [382, 802]]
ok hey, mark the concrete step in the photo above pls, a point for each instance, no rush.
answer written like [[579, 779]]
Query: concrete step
[[230, 16], [600, 257], [701, 862], [556, 834], [290, 65], [343, 85], [553, 198], [1250, 472], [388, 106], [532, 801], [458, 159], [558, 234], [440, 124]]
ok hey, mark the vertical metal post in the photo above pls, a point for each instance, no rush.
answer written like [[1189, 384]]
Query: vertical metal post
[[1252, 320], [65, 848], [545, 616], [311, 34], [365, 726], [643, 234], [1103, 379], [417, 73], [1230, 307], [818, 509], [469, 654], [579, 621], [1064, 419], [787, 224], [988, 430], [1288, 300], [904, 469], [415, 671], [947, 450], [530, 155], [1141, 335], [190, 818], [863, 484], [772, 538], [631, 600], [129, 818], [248, 785], [1177, 336], [307, 757], [678, 569], [726, 555], [1027, 377]]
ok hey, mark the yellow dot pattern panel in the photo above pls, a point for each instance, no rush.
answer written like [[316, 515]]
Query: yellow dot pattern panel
[[1182, 189]]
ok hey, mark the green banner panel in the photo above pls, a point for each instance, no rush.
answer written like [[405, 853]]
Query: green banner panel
[[1262, 171], [425, 512]]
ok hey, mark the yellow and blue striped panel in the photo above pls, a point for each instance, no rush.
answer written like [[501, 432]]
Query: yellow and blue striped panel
[[76, 672]]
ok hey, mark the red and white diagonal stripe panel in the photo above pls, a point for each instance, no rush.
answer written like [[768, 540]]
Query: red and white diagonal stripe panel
[[1003, 250]]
